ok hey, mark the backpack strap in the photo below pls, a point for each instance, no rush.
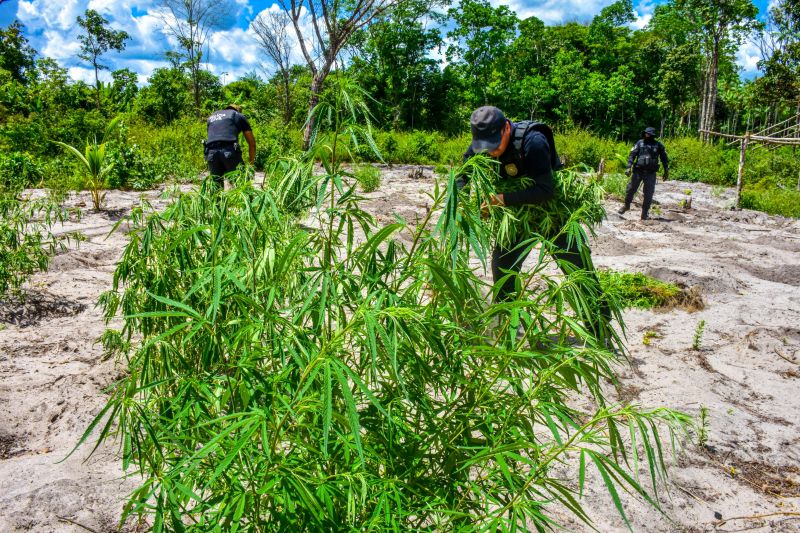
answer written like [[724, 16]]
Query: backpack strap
[[522, 128]]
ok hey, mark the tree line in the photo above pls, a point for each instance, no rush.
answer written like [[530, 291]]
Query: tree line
[[428, 63]]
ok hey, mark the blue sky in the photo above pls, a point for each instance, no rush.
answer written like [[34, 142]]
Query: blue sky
[[51, 29]]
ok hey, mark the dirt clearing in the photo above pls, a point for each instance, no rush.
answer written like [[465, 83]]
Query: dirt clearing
[[746, 372]]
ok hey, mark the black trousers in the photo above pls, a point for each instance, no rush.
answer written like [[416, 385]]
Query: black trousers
[[511, 259], [222, 159], [649, 179]]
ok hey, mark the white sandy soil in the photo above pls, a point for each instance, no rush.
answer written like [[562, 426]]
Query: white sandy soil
[[745, 264]]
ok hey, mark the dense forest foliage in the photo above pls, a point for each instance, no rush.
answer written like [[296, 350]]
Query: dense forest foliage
[[426, 65]]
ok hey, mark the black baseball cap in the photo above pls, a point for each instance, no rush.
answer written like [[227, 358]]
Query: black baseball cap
[[487, 125], [650, 130]]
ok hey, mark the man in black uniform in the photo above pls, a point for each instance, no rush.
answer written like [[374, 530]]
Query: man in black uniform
[[642, 167], [222, 150], [523, 149]]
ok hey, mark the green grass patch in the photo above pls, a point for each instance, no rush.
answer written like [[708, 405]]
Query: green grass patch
[[773, 201], [614, 185], [634, 289]]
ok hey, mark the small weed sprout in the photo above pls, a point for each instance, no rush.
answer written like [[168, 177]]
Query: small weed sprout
[[687, 192], [697, 341], [702, 427], [648, 337], [717, 190]]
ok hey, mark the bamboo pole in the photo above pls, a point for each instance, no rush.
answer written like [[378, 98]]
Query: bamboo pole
[[739, 180]]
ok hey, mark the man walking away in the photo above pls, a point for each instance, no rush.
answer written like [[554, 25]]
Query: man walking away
[[642, 167], [222, 150]]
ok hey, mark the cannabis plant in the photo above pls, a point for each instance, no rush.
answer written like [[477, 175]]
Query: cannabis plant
[[307, 369], [26, 237]]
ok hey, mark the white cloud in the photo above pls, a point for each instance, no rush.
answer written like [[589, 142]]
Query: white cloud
[[86, 75], [63, 47], [42, 14], [747, 57], [641, 21], [555, 12]]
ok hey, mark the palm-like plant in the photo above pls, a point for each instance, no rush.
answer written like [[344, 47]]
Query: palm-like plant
[[93, 158]]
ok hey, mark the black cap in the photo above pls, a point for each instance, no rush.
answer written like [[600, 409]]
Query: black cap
[[650, 130], [487, 125]]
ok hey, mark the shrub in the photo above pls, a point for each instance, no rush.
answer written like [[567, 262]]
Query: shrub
[[274, 140], [425, 147], [615, 185], [691, 160], [130, 169], [368, 177], [772, 200], [20, 168], [579, 146]]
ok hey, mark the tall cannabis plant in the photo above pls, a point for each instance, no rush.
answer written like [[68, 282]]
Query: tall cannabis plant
[[338, 374]]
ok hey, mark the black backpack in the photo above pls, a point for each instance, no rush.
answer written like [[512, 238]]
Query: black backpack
[[523, 127]]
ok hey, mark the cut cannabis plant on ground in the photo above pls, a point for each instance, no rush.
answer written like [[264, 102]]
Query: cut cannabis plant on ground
[[355, 376]]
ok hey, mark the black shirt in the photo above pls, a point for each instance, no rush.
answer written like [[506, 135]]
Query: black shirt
[[225, 125], [534, 162]]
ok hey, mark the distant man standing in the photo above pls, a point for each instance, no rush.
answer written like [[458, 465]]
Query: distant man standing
[[642, 167], [222, 150]]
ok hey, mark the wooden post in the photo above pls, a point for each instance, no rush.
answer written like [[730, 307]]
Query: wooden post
[[745, 141]]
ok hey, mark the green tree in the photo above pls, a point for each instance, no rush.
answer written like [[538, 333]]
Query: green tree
[[717, 26], [394, 62], [96, 41], [124, 88], [190, 22], [16, 56], [482, 38], [167, 96], [780, 49]]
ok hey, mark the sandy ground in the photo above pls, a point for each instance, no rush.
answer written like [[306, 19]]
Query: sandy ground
[[746, 374]]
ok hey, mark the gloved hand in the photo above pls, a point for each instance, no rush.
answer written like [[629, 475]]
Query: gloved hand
[[628, 172]]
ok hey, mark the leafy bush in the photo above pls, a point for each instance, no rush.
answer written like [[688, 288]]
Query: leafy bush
[[424, 147], [368, 177], [273, 141], [772, 200], [130, 169], [579, 146], [19, 168], [692, 160], [772, 168], [615, 185], [175, 151]]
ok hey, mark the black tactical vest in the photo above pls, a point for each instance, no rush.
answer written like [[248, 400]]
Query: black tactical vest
[[513, 162], [648, 156]]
